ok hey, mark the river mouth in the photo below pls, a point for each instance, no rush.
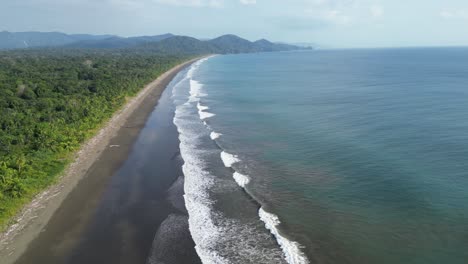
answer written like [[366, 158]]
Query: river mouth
[[129, 203]]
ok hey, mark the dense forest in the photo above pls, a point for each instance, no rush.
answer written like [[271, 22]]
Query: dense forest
[[53, 100]]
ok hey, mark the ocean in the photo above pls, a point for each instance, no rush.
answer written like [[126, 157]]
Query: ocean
[[327, 156]]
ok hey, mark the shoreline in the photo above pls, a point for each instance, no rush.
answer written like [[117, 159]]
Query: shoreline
[[126, 123]]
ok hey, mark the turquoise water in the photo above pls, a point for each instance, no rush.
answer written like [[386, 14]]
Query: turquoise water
[[361, 154]]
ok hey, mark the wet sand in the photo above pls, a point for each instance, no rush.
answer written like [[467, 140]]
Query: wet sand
[[120, 201]]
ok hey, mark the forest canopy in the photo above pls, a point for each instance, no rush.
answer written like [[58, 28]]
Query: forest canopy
[[53, 100]]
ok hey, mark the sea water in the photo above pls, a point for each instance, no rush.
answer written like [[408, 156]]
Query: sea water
[[333, 156]]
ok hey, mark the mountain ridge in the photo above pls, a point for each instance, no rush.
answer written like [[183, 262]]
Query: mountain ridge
[[118, 42], [165, 43]]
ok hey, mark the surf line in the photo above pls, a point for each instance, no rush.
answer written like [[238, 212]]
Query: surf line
[[291, 249], [204, 231]]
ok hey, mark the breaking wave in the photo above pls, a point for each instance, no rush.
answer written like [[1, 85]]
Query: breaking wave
[[290, 248], [206, 234], [228, 159], [241, 179], [215, 135]]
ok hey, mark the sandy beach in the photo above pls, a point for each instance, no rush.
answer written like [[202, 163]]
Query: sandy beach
[[94, 166]]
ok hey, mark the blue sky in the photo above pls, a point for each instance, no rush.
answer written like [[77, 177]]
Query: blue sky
[[330, 23]]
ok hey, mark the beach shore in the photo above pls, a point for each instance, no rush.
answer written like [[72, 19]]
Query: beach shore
[[94, 165]]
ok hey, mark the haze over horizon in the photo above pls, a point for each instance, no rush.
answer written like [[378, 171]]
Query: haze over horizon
[[329, 23]]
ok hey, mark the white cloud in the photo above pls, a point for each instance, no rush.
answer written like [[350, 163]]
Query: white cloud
[[337, 17], [454, 14], [344, 12], [332, 16], [446, 14], [195, 3], [376, 11], [126, 4], [248, 2]]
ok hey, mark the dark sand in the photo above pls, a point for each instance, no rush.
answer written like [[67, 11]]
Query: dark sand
[[129, 206]]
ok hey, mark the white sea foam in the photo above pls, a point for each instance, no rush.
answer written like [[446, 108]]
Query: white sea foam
[[212, 238], [195, 87], [215, 135], [177, 85], [191, 71], [229, 159], [241, 179], [205, 115], [197, 181], [291, 249], [195, 66], [202, 107], [195, 91], [204, 232]]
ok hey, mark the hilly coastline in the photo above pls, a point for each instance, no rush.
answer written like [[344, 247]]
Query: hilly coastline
[[58, 90], [56, 93], [165, 43]]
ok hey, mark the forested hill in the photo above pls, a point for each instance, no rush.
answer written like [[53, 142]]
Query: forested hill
[[222, 45], [159, 43], [235, 44], [117, 42]]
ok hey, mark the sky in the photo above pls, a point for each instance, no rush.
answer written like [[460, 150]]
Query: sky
[[328, 23]]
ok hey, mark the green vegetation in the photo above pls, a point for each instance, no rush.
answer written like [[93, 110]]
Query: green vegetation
[[159, 43], [53, 100], [223, 45]]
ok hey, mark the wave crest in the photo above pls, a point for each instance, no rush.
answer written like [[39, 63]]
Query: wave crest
[[215, 135], [204, 231], [207, 234], [202, 107], [204, 115], [228, 159], [291, 249], [241, 179]]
